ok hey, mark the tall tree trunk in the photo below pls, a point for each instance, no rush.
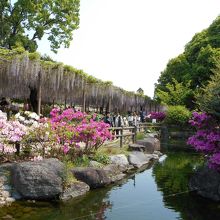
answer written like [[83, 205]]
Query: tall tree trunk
[[33, 99], [39, 95], [84, 99]]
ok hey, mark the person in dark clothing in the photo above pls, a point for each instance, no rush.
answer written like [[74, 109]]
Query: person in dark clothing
[[5, 105], [141, 116], [108, 119]]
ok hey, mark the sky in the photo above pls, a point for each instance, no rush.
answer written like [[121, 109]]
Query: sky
[[129, 42]]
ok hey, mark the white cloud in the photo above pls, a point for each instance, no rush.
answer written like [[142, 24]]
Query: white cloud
[[130, 41]]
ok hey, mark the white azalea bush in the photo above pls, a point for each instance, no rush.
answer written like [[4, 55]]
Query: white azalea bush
[[27, 118], [38, 140]]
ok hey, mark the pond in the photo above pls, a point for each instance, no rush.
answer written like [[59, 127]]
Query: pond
[[160, 192]]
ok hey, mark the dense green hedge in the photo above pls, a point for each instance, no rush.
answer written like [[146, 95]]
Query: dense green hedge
[[177, 115]]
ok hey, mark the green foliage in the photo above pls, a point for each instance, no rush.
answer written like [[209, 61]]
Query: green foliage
[[102, 158], [140, 136], [108, 83], [92, 79], [26, 21], [177, 115], [175, 94], [34, 56], [195, 64], [173, 174], [208, 99], [46, 57], [113, 149], [69, 178], [82, 161], [176, 68]]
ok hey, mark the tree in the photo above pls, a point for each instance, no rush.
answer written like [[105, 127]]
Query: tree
[[208, 99], [176, 93], [176, 68], [27, 21], [195, 64], [202, 66]]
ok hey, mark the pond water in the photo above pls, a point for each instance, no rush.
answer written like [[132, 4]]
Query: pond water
[[160, 192]]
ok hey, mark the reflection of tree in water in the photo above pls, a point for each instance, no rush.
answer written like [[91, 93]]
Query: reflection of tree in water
[[101, 213], [91, 206], [172, 176]]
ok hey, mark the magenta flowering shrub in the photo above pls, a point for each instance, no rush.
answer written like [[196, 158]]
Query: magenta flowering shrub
[[77, 132], [67, 115], [160, 116], [65, 133], [207, 137]]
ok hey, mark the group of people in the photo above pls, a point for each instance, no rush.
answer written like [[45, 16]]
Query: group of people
[[117, 120]]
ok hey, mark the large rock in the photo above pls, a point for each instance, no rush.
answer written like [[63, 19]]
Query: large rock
[[138, 159], [93, 163], [119, 159], [75, 190], [114, 172], [206, 182], [151, 144], [40, 180], [94, 177], [136, 147], [154, 135], [113, 169]]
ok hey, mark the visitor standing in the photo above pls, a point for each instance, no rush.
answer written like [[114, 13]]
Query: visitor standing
[[136, 119], [130, 119], [118, 122], [108, 119]]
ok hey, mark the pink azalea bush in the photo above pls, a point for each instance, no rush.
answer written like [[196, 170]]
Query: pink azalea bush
[[77, 132], [11, 132], [159, 116], [64, 133], [207, 137]]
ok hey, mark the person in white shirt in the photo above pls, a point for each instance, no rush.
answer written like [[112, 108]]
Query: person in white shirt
[[130, 119], [118, 122], [136, 119]]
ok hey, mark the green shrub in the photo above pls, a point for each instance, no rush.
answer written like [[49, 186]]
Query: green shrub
[[177, 115], [101, 158], [140, 135], [82, 161]]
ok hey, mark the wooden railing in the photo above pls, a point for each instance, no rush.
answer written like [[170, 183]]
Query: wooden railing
[[118, 132]]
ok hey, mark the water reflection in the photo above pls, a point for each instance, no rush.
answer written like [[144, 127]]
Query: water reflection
[[157, 193], [92, 206], [171, 176]]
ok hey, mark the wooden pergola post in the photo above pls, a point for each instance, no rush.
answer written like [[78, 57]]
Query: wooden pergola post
[[39, 94], [84, 98], [109, 105]]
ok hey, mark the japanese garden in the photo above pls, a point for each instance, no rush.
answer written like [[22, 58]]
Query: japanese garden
[[73, 146]]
